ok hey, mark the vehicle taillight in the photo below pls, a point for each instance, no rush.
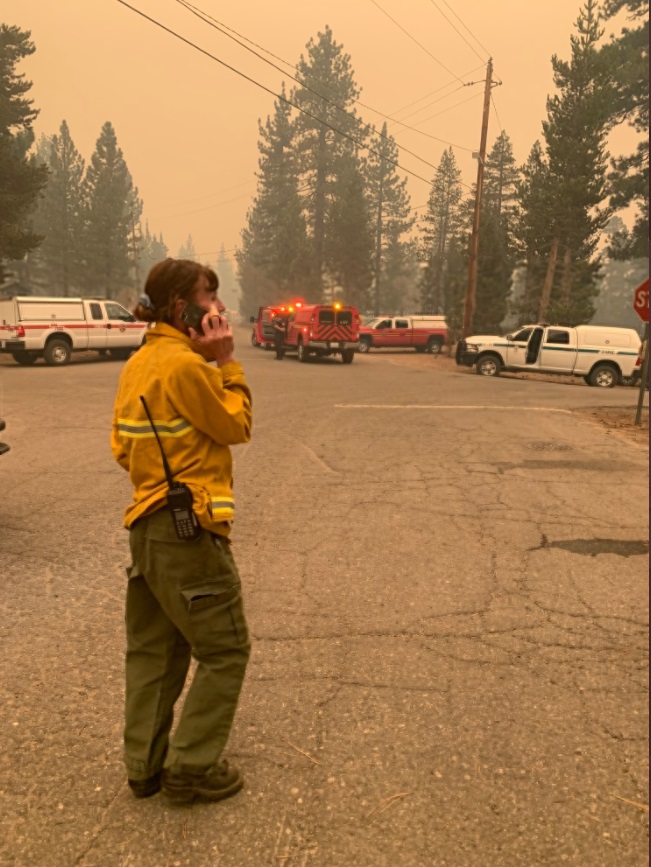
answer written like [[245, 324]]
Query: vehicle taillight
[[20, 331]]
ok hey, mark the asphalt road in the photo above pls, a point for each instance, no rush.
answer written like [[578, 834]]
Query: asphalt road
[[446, 583]]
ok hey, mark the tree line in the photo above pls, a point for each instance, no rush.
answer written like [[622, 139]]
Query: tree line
[[333, 215]]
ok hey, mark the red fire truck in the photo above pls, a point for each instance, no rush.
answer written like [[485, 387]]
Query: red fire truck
[[323, 329]]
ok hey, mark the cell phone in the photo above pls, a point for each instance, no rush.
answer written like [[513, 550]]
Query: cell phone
[[193, 315]]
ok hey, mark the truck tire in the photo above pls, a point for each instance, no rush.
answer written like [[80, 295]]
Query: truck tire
[[121, 354], [604, 376], [301, 352], [24, 357], [489, 365], [254, 342], [364, 344], [347, 356], [57, 352], [434, 345]]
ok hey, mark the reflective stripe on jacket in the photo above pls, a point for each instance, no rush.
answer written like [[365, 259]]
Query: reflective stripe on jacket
[[199, 410]]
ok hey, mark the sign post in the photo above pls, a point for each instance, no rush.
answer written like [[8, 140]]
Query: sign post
[[641, 307]]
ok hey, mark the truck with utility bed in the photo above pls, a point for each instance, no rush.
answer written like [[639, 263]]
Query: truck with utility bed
[[32, 327]]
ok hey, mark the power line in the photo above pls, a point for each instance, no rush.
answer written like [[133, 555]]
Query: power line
[[483, 47], [216, 193], [454, 27], [436, 90], [269, 91], [206, 208], [427, 105], [499, 122], [217, 25], [449, 108], [413, 39]]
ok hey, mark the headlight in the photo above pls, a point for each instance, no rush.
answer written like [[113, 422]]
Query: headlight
[[472, 347]]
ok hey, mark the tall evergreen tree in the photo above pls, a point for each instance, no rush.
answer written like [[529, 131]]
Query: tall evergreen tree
[[109, 201], [534, 229], [442, 225], [152, 250], [60, 214], [273, 259], [349, 243], [627, 59], [497, 251], [390, 217], [228, 286], [21, 177], [575, 134], [187, 250], [321, 151]]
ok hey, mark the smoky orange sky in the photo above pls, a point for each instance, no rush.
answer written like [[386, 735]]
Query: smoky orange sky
[[188, 126]]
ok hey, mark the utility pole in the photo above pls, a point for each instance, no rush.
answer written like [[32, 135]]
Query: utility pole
[[469, 306]]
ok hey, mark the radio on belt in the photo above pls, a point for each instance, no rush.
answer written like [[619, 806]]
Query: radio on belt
[[179, 496]]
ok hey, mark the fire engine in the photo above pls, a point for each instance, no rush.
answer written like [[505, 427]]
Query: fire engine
[[323, 329], [312, 329]]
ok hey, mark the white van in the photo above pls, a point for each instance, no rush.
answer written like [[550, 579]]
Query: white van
[[32, 326], [602, 355]]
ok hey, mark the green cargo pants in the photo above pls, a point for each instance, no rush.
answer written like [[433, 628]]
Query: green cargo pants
[[183, 599]]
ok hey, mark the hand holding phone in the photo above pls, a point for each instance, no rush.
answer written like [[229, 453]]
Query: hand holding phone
[[193, 316], [214, 335]]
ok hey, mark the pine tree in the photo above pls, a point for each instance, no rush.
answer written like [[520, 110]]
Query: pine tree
[[575, 133], [497, 251], [21, 177], [534, 229], [187, 251], [273, 259], [60, 215], [321, 151], [389, 212], [109, 202], [228, 287], [627, 59], [152, 250], [442, 226], [349, 242]]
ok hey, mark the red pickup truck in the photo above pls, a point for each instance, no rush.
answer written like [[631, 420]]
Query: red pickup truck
[[423, 333]]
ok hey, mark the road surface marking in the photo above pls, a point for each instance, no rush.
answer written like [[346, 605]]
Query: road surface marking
[[447, 406]]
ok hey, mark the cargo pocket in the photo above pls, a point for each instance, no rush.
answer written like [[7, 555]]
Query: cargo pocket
[[215, 618]]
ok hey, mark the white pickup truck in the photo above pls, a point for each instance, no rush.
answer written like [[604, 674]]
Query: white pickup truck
[[54, 328], [602, 355]]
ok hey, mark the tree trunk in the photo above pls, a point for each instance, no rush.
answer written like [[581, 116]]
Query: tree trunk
[[549, 281], [319, 210], [566, 277], [378, 249]]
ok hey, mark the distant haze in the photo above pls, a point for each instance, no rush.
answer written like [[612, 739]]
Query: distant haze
[[188, 127]]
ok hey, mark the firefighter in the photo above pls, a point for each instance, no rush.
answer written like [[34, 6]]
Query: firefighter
[[183, 595], [280, 332]]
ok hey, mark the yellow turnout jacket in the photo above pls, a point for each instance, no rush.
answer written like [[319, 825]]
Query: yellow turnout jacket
[[199, 411]]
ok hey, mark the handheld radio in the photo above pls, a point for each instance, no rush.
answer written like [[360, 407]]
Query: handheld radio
[[179, 496]]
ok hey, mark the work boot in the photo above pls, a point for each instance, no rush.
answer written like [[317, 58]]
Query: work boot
[[146, 788], [214, 785]]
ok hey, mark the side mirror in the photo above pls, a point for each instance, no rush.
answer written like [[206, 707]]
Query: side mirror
[[251, 319], [509, 337]]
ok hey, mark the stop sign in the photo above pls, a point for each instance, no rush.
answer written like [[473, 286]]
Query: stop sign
[[641, 301]]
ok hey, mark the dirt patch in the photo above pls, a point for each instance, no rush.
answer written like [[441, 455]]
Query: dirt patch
[[620, 421]]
